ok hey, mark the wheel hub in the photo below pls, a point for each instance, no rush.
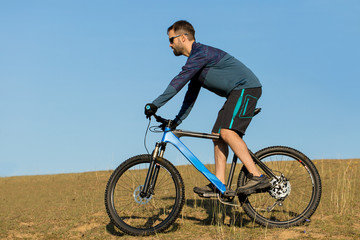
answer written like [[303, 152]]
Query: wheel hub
[[281, 188], [138, 198]]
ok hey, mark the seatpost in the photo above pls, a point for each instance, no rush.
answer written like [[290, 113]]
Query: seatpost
[[231, 174]]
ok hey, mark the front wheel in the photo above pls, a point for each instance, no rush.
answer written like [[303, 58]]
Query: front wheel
[[295, 193], [135, 214]]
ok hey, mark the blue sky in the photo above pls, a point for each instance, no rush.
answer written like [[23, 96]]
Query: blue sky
[[75, 76]]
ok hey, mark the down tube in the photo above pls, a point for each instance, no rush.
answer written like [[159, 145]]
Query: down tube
[[169, 137]]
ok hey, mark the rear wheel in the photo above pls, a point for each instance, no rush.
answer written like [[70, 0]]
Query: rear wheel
[[144, 215], [295, 193]]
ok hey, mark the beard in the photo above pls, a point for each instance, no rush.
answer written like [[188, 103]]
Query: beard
[[177, 52]]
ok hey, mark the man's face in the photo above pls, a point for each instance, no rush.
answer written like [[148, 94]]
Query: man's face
[[175, 43]]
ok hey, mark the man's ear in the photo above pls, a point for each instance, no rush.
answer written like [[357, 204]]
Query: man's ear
[[183, 38]]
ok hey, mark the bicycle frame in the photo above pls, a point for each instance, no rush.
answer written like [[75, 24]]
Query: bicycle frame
[[173, 137]]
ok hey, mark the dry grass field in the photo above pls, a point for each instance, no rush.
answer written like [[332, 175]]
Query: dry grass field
[[71, 206]]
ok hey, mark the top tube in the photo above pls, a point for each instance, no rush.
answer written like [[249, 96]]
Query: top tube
[[181, 133]]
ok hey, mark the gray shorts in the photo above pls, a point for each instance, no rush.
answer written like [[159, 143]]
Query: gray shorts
[[238, 110]]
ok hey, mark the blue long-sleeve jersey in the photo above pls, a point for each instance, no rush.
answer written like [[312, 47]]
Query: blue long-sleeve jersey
[[212, 69]]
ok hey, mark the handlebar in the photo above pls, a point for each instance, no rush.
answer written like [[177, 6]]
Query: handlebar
[[164, 122]]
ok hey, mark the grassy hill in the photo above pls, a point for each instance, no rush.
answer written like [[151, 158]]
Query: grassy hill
[[71, 206]]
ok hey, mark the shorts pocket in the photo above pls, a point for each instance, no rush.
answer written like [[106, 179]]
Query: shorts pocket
[[248, 107]]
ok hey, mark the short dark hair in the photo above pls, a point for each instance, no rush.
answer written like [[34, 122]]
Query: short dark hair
[[185, 26]]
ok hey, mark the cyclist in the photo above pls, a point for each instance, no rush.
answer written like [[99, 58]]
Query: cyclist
[[227, 77]]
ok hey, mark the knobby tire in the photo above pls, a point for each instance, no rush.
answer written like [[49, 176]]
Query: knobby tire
[[144, 216], [301, 189]]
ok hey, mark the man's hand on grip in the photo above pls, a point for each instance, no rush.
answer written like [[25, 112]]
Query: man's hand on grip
[[150, 109]]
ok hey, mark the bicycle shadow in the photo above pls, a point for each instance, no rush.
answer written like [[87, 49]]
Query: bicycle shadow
[[218, 213], [112, 229]]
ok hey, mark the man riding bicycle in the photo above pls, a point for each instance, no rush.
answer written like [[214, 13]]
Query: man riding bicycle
[[227, 77]]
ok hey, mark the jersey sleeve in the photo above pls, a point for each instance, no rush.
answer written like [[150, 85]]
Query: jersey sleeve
[[194, 64], [189, 101]]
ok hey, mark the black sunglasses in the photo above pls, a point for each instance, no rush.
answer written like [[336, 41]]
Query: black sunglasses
[[171, 40]]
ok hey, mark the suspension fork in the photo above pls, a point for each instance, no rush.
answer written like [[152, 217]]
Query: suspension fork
[[153, 171]]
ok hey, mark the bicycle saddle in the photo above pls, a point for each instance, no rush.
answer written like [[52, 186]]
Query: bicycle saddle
[[257, 110]]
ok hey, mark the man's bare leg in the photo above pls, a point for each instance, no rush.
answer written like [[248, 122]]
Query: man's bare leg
[[239, 147], [256, 183], [221, 151]]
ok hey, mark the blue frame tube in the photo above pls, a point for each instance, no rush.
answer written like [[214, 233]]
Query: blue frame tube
[[169, 137]]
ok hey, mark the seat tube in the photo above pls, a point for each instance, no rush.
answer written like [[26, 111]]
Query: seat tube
[[232, 170]]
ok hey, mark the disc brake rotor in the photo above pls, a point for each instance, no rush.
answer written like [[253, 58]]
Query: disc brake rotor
[[138, 199], [281, 188]]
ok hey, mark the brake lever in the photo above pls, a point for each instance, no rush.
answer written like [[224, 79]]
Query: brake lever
[[164, 122], [159, 119]]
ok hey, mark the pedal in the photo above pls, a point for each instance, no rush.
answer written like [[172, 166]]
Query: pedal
[[208, 195]]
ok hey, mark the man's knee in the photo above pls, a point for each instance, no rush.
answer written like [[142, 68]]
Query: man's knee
[[217, 141], [227, 134]]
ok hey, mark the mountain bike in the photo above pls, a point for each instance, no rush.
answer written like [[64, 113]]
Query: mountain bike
[[146, 193]]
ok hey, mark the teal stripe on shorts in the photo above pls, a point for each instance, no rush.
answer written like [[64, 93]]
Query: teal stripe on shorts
[[237, 107]]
